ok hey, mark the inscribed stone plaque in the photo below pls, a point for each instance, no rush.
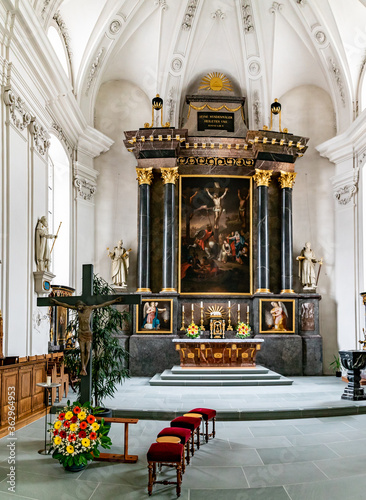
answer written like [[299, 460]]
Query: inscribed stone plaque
[[215, 121]]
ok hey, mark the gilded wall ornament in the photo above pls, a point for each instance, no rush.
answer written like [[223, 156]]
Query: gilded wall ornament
[[144, 175], [215, 81], [215, 161], [262, 177], [169, 175], [20, 117], [287, 179]]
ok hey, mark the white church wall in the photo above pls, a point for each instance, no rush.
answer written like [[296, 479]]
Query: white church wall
[[308, 111], [120, 106]]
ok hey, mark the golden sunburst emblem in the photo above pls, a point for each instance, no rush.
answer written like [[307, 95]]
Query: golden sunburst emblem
[[215, 312], [215, 81]]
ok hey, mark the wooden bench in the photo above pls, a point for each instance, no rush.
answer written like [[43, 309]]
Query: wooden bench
[[114, 457]]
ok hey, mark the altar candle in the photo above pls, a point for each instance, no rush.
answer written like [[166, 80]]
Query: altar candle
[[247, 309], [238, 307], [201, 304], [48, 381], [192, 307], [183, 309], [229, 303]]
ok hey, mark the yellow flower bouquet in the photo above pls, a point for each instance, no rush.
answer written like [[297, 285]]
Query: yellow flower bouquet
[[243, 330], [76, 436], [193, 331]]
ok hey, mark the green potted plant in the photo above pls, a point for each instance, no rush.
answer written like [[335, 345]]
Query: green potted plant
[[109, 357], [76, 436], [336, 366]]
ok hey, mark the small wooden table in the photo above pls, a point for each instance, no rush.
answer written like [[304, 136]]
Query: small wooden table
[[114, 457]]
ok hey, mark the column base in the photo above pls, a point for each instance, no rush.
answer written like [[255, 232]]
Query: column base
[[168, 290], [287, 290], [143, 290], [263, 290]]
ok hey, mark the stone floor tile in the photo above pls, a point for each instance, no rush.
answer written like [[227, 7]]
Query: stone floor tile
[[281, 474], [339, 467], [296, 454], [216, 477], [271, 493], [338, 489]]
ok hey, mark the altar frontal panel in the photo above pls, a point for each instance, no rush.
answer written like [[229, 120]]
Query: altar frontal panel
[[215, 234]]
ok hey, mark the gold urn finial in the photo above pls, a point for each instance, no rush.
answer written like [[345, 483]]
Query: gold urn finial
[[156, 104]]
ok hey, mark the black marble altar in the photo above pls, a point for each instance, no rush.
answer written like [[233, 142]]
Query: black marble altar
[[353, 362], [143, 259]]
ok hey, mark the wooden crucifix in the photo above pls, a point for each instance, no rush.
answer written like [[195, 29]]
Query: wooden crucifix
[[84, 304]]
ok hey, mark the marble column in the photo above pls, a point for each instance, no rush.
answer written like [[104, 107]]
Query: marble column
[[262, 179], [169, 176], [286, 181], [144, 177]]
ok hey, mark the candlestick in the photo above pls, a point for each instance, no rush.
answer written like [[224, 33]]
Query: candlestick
[[247, 314], [238, 313], [192, 314], [183, 327], [229, 327], [202, 327]]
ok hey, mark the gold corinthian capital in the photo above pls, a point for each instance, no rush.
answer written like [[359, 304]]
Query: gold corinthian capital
[[262, 177], [169, 175], [287, 179], [144, 175]]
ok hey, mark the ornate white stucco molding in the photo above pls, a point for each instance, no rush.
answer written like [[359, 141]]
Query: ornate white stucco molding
[[41, 139], [85, 189], [189, 15], [276, 7], [61, 135], [19, 115], [338, 79], [218, 14], [162, 4], [345, 186], [247, 17], [93, 69], [64, 33]]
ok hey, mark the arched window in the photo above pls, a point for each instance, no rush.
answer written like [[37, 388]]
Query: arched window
[[59, 209], [60, 49]]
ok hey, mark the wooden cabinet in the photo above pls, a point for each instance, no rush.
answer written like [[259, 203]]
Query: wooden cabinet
[[19, 391]]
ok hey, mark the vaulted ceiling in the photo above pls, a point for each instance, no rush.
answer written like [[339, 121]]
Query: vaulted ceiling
[[267, 48]]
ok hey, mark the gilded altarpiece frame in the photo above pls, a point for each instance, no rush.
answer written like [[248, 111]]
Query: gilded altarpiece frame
[[215, 235]]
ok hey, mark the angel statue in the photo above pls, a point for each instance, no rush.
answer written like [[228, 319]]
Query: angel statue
[[276, 318]]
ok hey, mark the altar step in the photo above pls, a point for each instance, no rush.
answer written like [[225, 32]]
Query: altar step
[[220, 377]]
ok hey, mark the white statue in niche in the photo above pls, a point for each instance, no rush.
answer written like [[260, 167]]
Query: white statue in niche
[[120, 264], [43, 254], [307, 261]]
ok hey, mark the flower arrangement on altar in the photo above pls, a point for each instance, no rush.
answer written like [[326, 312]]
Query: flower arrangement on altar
[[76, 435], [243, 330], [193, 331]]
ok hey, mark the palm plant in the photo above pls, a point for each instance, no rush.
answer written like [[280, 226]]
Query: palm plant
[[109, 357]]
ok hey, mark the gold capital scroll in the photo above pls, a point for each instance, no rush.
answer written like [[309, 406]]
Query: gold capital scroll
[[169, 175], [262, 177], [144, 175], [287, 179]]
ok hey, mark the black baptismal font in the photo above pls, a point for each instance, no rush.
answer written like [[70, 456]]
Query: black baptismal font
[[353, 362]]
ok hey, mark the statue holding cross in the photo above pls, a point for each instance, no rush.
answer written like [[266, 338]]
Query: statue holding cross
[[85, 304]]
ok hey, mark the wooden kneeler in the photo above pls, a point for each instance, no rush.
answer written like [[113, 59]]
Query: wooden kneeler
[[169, 454], [114, 457]]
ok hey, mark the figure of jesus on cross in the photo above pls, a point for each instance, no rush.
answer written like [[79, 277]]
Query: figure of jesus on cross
[[85, 304]]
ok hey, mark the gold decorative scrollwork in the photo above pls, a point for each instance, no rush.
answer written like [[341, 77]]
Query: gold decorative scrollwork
[[262, 177], [169, 175], [190, 355], [213, 108], [206, 160], [217, 355], [144, 175], [287, 179]]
